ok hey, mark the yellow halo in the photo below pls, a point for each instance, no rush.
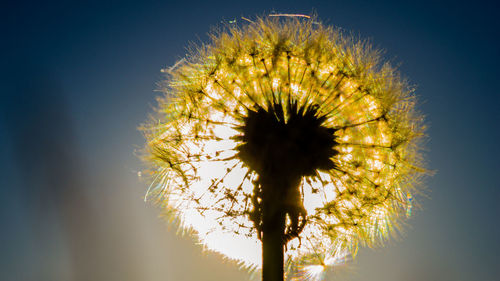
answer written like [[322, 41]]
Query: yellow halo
[[198, 179]]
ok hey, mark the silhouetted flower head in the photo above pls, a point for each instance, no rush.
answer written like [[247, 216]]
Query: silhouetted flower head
[[293, 105]]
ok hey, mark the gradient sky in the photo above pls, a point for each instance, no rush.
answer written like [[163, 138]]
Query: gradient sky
[[78, 79]]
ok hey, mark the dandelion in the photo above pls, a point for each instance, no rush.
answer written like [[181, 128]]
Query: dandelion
[[285, 134]]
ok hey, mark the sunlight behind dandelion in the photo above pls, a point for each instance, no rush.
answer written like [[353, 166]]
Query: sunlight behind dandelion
[[195, 144]]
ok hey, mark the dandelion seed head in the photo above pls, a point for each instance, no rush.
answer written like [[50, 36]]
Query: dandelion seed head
[[329, 94]]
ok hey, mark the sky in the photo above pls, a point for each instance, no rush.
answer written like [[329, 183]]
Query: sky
[[77, 79]]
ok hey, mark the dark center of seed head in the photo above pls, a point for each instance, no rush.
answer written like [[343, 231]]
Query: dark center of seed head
[[286, 142]]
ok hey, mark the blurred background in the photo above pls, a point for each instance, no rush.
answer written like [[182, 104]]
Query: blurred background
[[77, 79]]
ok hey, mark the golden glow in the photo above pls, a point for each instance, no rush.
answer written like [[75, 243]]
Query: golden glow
[[198, 181]]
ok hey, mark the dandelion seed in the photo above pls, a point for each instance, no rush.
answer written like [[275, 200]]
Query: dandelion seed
[[290, 15]]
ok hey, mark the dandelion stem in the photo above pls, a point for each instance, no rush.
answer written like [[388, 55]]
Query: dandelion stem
[[273, 229]]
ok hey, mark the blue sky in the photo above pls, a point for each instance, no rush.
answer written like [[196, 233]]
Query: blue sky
[[78, 79]]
